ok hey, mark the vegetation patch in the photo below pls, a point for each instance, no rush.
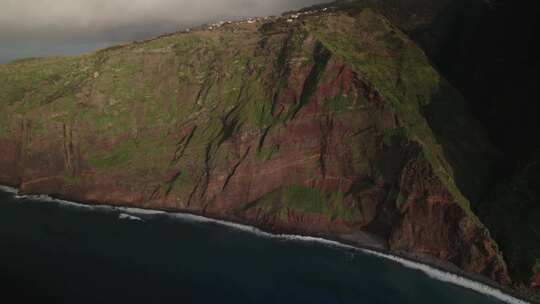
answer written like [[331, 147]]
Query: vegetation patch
[[120, 156], [401, 200], [308, 200], [394, 136], [267, 153], [71, 180], [340, 103]]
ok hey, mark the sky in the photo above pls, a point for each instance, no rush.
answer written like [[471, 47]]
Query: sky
[[35, 28]]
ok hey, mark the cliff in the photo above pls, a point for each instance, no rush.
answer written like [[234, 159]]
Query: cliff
[[490, 51], [327, 122]]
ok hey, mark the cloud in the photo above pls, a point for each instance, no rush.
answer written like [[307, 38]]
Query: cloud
[[100, 18], [31, 28]]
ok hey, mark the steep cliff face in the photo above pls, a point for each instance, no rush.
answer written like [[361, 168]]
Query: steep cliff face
[[489, 50], [331, 122]]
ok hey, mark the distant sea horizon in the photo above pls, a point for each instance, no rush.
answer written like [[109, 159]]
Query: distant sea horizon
[[14, 53]]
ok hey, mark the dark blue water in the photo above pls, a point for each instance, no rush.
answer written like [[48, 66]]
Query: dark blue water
[[57, 254]]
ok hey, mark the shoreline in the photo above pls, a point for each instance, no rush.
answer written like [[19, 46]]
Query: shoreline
[[434, 268]]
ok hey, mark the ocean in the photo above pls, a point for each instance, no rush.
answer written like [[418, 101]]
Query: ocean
[[61, 252]]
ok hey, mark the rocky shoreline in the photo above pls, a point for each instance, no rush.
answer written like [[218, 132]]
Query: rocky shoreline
[[361, 241]]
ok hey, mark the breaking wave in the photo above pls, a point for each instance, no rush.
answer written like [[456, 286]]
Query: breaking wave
[[428, 270], [139, 211], [434, 273], [129, 217], [9, 189], [449, 278]]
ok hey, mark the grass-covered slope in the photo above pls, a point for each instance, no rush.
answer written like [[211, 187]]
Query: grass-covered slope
[[326, 122]]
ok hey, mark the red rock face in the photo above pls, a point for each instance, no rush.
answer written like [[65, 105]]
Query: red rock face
[[8, 162], [428, 208], [535, 281], [330, 155]]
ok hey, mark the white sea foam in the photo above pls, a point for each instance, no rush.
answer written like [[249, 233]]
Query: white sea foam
[[259, 232], [125, 216], [139, 211], [428, 270], [9, 189], [46, 198], [128, 213], [449, 278]]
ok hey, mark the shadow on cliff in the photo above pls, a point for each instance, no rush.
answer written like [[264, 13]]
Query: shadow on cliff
[[490, 51]]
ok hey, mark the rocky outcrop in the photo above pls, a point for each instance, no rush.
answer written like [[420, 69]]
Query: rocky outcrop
[[332, 122]]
